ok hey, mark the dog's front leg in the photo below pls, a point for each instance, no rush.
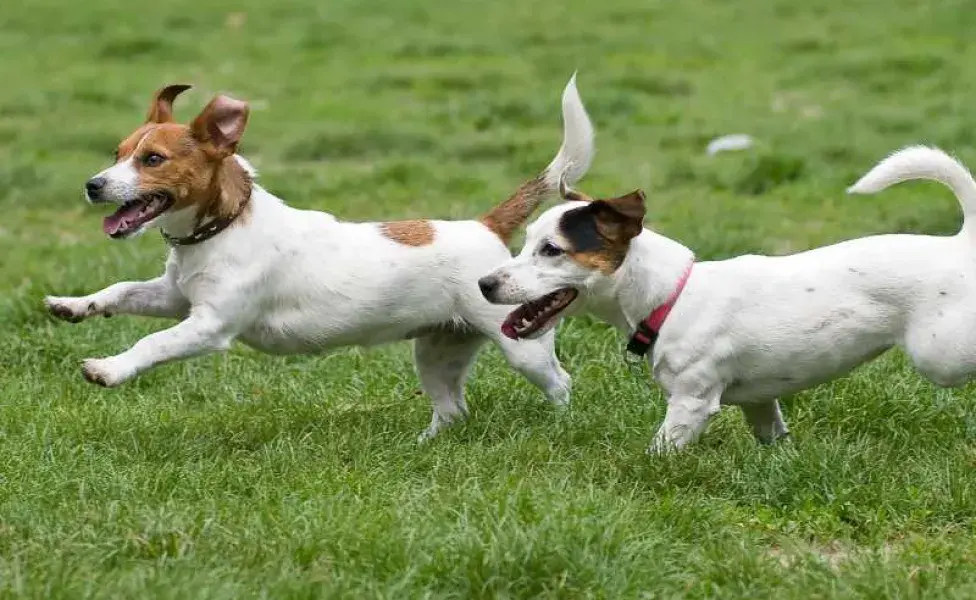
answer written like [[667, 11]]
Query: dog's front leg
[[684, 421], [202, 332], [154, 298]]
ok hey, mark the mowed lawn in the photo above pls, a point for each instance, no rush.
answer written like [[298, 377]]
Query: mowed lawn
[[244, 475]]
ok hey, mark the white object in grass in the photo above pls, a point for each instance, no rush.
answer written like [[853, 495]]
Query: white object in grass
[[725, 143]]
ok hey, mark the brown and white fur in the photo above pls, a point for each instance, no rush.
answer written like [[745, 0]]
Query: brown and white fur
[[748, 330], [285, 281]]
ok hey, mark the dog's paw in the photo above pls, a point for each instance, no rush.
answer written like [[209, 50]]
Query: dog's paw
[[661, 447], [72, 310], [103, 372], [561, 406], [441, 422], [426, 436]]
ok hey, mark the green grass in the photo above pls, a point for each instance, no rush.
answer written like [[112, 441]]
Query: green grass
[[244, 475]]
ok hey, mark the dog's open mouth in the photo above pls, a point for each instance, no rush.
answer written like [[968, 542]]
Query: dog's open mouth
[[135, 213], [532, 317]]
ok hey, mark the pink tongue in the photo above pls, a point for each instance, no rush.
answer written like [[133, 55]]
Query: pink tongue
[[508, 326], [114, 222]]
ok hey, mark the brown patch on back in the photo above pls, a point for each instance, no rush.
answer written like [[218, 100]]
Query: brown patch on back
[[599, 233], [409, 233], [508, 216]]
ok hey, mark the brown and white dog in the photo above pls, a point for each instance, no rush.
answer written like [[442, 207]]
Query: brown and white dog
[[244, 266]]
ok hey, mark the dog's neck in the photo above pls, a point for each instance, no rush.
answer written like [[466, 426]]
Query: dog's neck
[[232, 187], [648, 276]]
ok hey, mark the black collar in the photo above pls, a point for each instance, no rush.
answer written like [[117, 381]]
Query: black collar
[[203, 233]]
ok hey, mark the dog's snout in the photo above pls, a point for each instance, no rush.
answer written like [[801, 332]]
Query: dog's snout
[[94, 187], [488, 286]]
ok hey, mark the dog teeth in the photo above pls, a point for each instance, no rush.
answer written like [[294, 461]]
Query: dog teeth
[[536, 314]]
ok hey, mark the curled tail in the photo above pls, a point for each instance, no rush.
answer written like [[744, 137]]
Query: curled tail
[[921, 162], [571, 163]]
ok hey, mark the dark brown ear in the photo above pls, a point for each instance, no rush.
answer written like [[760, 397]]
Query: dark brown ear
[[161, 109], [569, 194], [221, 124], [620, 218]]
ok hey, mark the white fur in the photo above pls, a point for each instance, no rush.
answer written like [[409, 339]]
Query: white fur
[[576, 152], [297, 281], [121, 182], [748, 330]]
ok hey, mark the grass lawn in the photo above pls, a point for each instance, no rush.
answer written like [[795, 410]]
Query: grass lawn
[[244, 475]]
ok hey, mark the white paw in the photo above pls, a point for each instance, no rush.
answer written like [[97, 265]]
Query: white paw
[[559, 398], [104, 372], [660, 447], [431, 432], [561, 405], [427, 435], [439, 423], [69, 309]]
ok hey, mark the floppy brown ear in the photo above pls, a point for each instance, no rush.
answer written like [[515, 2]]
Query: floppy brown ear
[[220, 125], [620, 218], [568, 194], [161, 109]]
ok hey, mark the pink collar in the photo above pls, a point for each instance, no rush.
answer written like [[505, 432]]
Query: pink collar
[[647, 330]]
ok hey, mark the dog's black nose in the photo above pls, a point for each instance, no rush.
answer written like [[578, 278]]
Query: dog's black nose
[[93, 187], [488, 286]]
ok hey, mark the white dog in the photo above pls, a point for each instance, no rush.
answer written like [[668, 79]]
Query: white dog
[[244, 266], [748, 330]]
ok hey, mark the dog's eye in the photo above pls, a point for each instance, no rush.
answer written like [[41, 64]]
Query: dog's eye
[[549, 249], [153, 160], [117, 154]]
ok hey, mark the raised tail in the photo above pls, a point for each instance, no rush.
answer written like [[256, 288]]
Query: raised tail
[[571, 163], [921, 162]]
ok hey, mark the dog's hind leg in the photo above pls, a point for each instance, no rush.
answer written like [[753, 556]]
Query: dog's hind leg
[[536, 360], [443, 361], [766, 421]]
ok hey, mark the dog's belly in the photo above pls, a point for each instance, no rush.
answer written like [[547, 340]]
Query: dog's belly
[[796, 375], [300, 318], [281, 334], [273, 339]]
